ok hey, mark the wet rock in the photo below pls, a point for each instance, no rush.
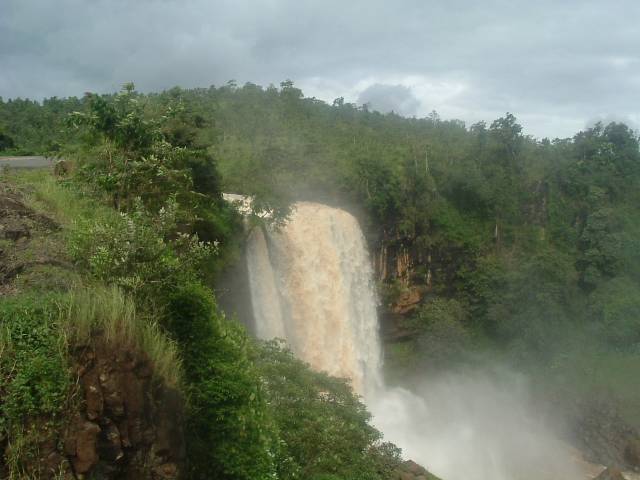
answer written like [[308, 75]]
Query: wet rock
[[408, 300], [604, 436]]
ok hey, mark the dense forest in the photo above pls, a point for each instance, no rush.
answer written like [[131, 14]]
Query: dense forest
[[524, 251]]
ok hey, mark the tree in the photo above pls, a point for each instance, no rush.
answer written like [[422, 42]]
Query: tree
[[6, 142], [507, 133]]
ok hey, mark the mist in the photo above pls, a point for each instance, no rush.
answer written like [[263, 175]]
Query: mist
[[481, 425]]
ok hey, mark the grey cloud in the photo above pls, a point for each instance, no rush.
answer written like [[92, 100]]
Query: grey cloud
[[553, 64], [390, 98], [606, 119]]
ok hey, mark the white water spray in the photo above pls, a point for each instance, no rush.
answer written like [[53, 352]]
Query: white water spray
[[312, 285]]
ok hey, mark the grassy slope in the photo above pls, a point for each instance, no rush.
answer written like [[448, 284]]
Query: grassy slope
[[46, 309], [89, 305]]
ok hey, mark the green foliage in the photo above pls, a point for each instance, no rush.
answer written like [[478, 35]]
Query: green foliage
[[129, 157], [107, 312], [142, 253], [229, 432], [324, 427], [34, 378], [34, 372], [443, 338], [168, 196], [28, 127], [617, 304], [525, 244], [6, 142]]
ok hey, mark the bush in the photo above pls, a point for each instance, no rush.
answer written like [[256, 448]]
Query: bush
[[443, 338], [139, 252], [229, 434], [324, 427], [618, 313], [34, 378]]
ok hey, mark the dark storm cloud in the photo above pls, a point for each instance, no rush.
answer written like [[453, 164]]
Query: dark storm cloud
[[553, 64]]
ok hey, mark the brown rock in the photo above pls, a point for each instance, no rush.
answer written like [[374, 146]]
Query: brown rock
[[406, 476], [129, 426], [408, 300], [15, 231], [69, 446], [61, 168], [110, 445], [93, 395], [86, 455], [133, 393], [112, 394]]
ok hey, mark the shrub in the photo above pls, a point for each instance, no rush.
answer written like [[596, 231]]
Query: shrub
[[141, 253], [229, 434], [324, 427], [443, 338], [34, 378]]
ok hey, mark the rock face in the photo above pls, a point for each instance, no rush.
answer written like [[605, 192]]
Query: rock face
[[122, 423], [128, 426], [409, 274]]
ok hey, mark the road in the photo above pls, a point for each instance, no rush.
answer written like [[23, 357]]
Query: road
[[25, 162]]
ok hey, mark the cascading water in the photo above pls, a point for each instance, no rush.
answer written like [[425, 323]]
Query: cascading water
[[312, 285]]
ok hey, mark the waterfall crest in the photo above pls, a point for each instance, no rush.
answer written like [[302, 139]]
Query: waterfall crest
[[311, 284]]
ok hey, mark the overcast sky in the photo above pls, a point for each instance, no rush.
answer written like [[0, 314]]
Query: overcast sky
[[558, 65]]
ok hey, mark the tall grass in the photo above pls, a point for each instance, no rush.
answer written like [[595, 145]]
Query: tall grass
[[109, 312], [64, 201]]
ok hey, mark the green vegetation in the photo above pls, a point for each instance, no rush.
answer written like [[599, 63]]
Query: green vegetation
[[145, 228], [231, 435], [525, 249], [108, 311], [34, 377], [324, 428]]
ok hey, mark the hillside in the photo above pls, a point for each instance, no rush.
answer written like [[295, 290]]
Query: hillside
[[490, 246], [117, 362]]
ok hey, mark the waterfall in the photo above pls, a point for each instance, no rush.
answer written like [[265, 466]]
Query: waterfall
[[312, 285]]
